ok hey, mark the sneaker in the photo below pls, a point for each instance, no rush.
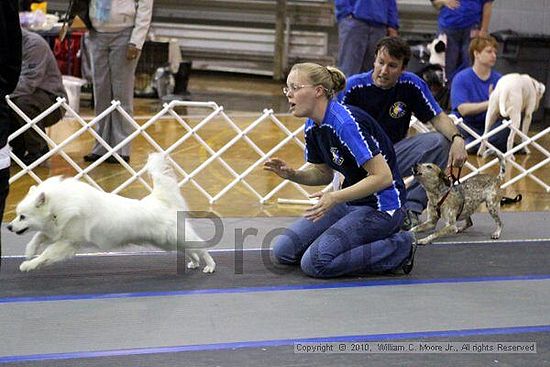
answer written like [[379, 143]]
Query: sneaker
[[411, 220], [409, 263]]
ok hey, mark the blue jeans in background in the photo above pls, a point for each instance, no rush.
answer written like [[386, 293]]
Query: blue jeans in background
[[421, 148]]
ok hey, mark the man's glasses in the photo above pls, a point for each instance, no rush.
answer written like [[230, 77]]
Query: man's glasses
[[294, 88]]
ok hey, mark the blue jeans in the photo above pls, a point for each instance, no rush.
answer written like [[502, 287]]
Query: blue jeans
[[421, 148], [347, 240], [356, 45], [457, 56]]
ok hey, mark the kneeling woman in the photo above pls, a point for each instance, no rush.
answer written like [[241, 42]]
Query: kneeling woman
[[354, 230]]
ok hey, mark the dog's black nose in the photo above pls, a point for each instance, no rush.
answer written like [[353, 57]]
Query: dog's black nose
[[415, 169], [10, 228]]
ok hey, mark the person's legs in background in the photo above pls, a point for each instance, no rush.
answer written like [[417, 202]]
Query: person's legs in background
[[456, 51], [98, 45], [30, 142], [122, 79], [356, 45], [373, 36]]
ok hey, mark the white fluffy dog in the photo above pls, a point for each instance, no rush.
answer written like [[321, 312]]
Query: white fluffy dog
[[68, 213], [514, 94]]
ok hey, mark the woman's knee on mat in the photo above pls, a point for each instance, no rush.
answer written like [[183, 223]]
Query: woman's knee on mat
[[286, 251], [320, 260]]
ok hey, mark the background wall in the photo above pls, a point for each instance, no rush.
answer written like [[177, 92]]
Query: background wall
[[532, 16]]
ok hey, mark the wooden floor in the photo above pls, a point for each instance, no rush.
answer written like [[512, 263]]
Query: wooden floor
[[243, 98]]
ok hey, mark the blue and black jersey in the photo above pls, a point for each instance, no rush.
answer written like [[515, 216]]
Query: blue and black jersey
[[392, 108], [347, 138]]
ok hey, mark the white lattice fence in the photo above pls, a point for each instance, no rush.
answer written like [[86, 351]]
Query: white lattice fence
[[191, 133], [215, 156]]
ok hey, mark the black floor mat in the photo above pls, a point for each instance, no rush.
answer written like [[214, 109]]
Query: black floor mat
[[158, 272]]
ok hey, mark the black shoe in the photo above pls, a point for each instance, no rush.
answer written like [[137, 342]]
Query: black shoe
[[113, 160], [92, 157], [409, 263], [29, 158], [411, 220]]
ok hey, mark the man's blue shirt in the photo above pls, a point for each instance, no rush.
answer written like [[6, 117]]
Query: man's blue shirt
[[346, 139], [392, 108]]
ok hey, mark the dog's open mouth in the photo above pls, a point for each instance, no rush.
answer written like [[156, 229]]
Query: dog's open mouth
[[21, 231]]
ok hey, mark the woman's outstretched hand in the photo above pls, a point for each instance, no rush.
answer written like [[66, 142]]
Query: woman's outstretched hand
[[279, 167]]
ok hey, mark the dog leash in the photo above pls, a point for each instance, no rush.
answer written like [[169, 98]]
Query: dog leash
[[454, 180]]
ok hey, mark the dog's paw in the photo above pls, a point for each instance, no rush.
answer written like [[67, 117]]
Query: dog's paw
[[424, 241], [28, 265], [495, 236], [193, 264], [209, 269]]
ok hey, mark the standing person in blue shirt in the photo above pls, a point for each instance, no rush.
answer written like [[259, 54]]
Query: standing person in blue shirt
[[354, 230], [391, 95], [471, 89], [461, 20], [361, 23]]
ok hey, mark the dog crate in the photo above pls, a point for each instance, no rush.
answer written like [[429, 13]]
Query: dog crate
[[153, 56]]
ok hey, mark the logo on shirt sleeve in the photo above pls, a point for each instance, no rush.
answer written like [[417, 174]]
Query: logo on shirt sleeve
[[398, 110], [336, 157]]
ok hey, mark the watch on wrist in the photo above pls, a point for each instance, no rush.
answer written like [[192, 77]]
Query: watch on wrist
[[457, 135]]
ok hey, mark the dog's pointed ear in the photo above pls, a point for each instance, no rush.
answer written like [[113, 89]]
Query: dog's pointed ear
[[40, 200]]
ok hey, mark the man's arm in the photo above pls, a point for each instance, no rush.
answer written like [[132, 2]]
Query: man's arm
[[457, 154], [34, 65], [468, 109], [486, 18], [393, 19]]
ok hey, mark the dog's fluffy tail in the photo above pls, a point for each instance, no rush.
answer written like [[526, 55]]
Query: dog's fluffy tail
[[165, 183], [157, 164]]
